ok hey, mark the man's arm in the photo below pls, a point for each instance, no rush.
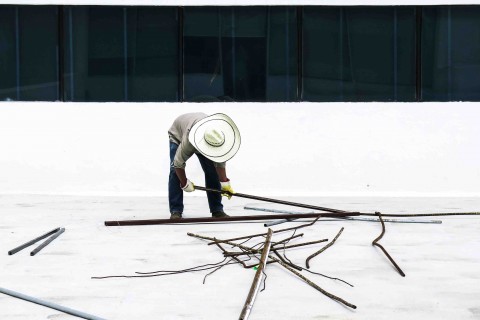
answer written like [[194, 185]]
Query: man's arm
[[182, 176], [222, 174]]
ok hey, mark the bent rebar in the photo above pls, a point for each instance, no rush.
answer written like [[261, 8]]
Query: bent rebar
[[375, 243]]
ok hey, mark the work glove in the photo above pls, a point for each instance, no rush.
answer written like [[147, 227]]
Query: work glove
[[227, 188], [189, 186]]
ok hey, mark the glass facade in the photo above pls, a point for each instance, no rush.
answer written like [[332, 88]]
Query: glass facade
[[240, 54], [121, 54], [451, 53], [29, 65], [359, 54], [244, 53]]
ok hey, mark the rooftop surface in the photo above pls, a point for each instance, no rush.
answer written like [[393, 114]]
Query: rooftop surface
[[441, 261]]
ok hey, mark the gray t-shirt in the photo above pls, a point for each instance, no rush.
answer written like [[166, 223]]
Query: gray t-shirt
[[178, 133]]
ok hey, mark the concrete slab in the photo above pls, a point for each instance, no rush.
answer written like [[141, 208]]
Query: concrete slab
[[441, 262]]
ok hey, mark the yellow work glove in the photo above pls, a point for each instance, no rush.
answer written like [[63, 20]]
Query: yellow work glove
[[188, 187], [227, 188]]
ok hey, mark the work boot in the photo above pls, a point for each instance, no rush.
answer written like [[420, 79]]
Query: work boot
[[219, 214], [176, 215]]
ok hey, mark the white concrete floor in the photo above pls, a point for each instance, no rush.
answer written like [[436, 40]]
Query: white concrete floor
[[441, 262]]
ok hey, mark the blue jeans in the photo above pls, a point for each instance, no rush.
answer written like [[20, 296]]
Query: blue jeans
[[175, 193]]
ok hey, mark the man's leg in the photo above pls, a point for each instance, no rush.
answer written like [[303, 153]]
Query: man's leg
[[175, 193], [212, 182]]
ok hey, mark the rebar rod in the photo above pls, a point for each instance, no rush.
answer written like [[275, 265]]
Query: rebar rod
[[247, 308], [29, 243], [229, 219], [375, 243], [47, 242], [272, 223], [438, 214], [314, 285], [288, 203], [49, 305], [323, 249]]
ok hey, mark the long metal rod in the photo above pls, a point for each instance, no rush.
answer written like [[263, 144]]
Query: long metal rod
[[348, 213], [49, 305], [272, 223], [29, 243], [252, 294], [47, 242], [288, 203], [229, 219]]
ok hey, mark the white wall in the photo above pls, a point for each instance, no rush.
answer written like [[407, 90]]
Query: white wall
[[287, 148]]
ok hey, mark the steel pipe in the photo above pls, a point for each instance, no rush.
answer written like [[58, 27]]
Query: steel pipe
[[29, 243], [49, 305], [47, 242], [247, 308]]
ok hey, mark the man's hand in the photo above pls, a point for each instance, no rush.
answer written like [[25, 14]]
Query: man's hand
[[227, 188], [188, 187]]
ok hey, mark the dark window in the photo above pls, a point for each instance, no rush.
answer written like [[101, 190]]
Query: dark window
[[451, 53], [240, 54], [121, 54], [28, 53], [245, 53], [359, 53]]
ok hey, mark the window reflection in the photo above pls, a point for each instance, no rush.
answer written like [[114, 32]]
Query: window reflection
[[28, 53], [121, 54], [359, 53], [240, 54]]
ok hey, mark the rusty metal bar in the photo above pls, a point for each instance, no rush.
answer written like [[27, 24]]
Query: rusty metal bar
[[288, 203], [226, 219], [375, 243], [47, 242], [247, 308], [313, 285], [29, 243], [323, 249]]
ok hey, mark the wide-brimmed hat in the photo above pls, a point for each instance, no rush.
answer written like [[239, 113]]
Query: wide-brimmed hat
[[216, 137]]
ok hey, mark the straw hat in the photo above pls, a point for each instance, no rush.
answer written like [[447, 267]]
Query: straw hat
[[216, 137]]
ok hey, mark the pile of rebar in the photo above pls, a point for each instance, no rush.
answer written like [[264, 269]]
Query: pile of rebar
[[269, 252]]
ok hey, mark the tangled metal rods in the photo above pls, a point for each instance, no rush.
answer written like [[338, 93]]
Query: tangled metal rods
[[276, 257], [272, 252]]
